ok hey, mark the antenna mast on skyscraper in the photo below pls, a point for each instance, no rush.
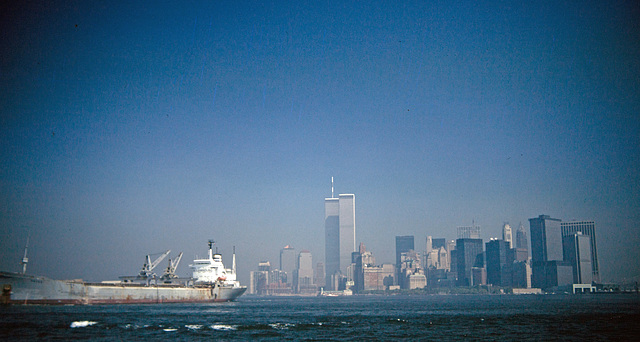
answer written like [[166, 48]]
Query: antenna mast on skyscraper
[[331, 187]]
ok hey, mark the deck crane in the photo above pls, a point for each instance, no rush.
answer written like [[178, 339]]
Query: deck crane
[[170, 272], [147, 268]]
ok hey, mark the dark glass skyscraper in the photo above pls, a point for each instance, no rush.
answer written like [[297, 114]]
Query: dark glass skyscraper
[[499, 262], [577, 252], [548, 266], [546, 239], [587, 228], [469, 254], [331, 238]]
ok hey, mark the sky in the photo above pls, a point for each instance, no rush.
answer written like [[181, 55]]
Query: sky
[[128, 129]]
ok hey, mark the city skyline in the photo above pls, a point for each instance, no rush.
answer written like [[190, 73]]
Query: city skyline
[[462, 262], [128, 129]]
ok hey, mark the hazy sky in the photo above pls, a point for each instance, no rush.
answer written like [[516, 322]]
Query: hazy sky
[[131, 129]]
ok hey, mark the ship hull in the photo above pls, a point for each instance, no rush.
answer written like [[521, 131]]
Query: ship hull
[[27, 289]]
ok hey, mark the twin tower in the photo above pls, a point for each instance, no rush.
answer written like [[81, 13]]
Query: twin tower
[[340, 235]]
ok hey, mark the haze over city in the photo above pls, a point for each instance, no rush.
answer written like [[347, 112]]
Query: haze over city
[[129, 129]]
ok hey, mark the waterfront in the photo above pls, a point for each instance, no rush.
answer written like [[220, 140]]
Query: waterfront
[[451, 317]]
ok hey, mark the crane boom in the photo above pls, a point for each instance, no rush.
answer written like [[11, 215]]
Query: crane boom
[[170, 272], [148, 266], [159, 259]]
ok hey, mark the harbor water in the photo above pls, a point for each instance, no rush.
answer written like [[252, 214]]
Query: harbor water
[[444, 317]]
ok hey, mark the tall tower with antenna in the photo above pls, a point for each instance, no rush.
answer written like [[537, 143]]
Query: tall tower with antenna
[[340, 235]]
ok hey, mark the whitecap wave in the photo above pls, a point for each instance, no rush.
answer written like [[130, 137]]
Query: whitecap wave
[[82, 324], [281, 326], [224, 327], [193, 326]]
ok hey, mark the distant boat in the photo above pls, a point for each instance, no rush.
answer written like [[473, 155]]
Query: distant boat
[[324, 293], [210, 282]]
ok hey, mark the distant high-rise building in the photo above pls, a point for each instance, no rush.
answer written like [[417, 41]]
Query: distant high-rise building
[[521, 245], [403, 245], [332, 237], [288, 262], [411, 273], [259, 280], [319, 275], [546, 239], [451, 247], [577, 252], [499, 262], [438, 242], [472, 232], [587, 228], [305, 281], [436, 255], [548, 266], [340, 234], [453, 258], [378, 278], [435, 243], [469, 255], [521, 274], [521, 238], [506, 236], [347, 229], [264, 266], [305, 265]]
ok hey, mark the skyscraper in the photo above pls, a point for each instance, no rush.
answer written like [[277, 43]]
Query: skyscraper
[[521, 238], [587, 228], [507, 235], [469, 232], [331, 237], [347, 220], [469, 255], [319, 275], [521, 245], [288, 262], [305, 271], [548, 266], [340, 234], [546, 239], [577, 251], [499, 262], [403, 245]]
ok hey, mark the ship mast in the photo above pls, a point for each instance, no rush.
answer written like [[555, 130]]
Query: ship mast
[[25, 260], [233, 265]]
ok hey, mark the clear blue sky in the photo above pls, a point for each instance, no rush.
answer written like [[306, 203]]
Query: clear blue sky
[[130, 129]]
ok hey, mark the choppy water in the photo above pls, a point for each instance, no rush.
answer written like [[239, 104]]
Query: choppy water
[[467, 317]]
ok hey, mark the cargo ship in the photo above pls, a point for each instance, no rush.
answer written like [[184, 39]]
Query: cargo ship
[[211, 282]]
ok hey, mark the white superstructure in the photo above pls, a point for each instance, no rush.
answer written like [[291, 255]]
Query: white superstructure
[[211, 270]]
